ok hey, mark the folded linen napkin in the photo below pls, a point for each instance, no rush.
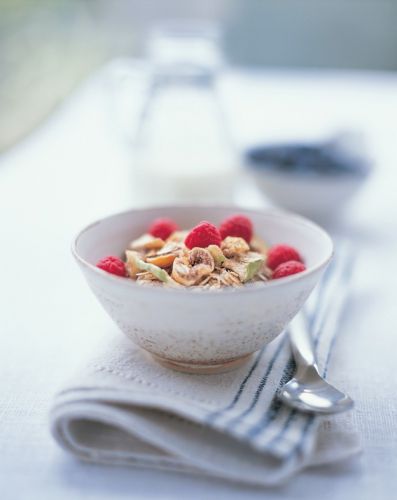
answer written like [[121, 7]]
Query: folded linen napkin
[[125, 409]]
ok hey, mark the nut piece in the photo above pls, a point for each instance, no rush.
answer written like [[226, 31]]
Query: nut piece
[[247, 266], [191, 269], [233, 246], [171, 247], [257, 244], [131, 263], [177, 236]]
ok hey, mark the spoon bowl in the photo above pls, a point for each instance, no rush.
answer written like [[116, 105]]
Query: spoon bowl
[[308, 390], [311, 393]]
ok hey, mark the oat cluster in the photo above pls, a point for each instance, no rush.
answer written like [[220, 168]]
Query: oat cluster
[[154, 261]]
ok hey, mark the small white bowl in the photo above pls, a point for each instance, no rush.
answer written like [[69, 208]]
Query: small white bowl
[[321, 198], [201, 331], [316, 180]]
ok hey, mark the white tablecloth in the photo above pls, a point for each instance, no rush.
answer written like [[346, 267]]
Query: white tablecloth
[[74, 169]]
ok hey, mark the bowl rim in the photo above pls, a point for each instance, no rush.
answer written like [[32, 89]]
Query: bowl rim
[[197, 292]]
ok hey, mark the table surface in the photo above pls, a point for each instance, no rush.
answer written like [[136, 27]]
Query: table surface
[[76, 168]]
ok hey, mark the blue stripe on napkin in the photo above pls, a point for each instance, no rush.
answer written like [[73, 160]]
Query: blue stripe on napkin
[[273, 427]]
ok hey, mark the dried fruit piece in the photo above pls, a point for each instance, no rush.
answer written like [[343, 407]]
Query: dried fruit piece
[[134, 262], [171, 247], [237, 225], [288, 268], [217, 255], [200, 256], [146, 242], [278, 254], [247, 266], [155, 270], [190, 270], [112, 265], [162, 261], [234, 246], [203, 235], [162, 228]]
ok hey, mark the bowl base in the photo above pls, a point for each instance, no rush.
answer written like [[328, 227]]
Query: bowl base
[[198, 368]]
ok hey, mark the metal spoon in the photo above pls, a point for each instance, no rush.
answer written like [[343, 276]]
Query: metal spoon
[[308, 391]]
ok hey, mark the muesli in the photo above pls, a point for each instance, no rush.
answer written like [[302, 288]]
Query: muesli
[[205, 257]]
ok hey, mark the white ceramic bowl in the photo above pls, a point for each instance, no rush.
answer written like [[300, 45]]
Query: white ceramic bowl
[[203, 330]]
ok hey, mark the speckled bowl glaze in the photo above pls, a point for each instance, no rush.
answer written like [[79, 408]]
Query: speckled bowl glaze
[[201, 331]]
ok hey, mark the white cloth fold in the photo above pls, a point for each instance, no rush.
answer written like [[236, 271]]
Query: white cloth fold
[[125, 409]]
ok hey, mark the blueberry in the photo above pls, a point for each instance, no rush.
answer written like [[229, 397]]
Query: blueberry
[[305, 159]]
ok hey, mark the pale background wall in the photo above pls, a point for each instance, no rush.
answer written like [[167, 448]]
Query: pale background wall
[[315, 33], [48, 46]]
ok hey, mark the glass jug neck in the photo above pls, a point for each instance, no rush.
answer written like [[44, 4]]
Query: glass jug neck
[[185, 52]]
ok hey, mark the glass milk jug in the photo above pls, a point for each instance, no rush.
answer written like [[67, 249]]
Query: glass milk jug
[[182, 149]]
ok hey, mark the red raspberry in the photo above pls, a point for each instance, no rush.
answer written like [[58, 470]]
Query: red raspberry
[[237, 225], [162, 228], [278, 254], [288, 268], [112, 265], [203, 235]]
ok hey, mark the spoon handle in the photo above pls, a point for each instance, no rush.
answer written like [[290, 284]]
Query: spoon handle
[[302, 345]]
